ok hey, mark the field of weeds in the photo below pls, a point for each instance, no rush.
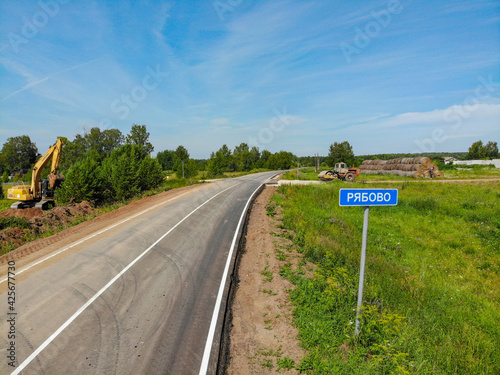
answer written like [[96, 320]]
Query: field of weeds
[[432, 283], [451, 172]]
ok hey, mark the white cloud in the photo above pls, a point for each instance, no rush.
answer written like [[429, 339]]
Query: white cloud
[[448, 129], [219, 121]]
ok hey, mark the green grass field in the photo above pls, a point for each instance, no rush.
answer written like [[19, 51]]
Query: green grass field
[[432, 286], [450, 173]]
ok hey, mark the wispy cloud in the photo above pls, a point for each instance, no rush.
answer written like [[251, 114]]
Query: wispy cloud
[[225, 78], [34, 82], [438, 118]]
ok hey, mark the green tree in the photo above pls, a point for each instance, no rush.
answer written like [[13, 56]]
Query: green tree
[[220, 162], [83, 181], [103, 142], [190, 169], [18, 153], [110, 140], [264, 157], [340, 152], [181, 154], [73, 151], [166, 159], [150, 174], [182, 168], [254, 157], [476, 151], [479, 151], [492, 150], [243, 157], [281, 160], [140, 136], [127, 171], [121, 170]]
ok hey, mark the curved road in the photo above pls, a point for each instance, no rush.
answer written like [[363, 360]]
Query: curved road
[[142, 298]]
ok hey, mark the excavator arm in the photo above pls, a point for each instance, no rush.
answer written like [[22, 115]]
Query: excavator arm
[[54, 152], [28, 197]]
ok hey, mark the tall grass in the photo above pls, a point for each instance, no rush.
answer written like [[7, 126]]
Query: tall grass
[[451, 172], [431, 299]]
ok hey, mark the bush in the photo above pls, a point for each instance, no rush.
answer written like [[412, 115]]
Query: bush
[[14, 222], [83, 181], [123, 180], [129, 170], [150, 174], [190, 168]]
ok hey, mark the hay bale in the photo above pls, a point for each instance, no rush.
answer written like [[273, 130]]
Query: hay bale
[[410, 167]]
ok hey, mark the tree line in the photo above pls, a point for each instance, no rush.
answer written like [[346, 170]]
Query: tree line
[[106, 165]]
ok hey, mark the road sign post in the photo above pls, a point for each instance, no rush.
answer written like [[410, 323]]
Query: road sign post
[[366, 198]]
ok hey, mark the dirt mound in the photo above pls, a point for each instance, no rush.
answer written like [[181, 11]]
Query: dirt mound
[[67, 213], [28, 213], [41, 221], [12, 235]]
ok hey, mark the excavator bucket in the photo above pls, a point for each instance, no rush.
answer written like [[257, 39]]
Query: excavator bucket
[[55, 180]]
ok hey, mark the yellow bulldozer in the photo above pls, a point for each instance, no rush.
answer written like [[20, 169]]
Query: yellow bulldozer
[[41, 192]]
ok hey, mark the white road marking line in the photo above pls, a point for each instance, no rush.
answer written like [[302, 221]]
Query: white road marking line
[[96, 234], [33, 355], [215, 315]]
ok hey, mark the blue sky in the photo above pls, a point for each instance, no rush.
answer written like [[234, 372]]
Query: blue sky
[[387, 76]]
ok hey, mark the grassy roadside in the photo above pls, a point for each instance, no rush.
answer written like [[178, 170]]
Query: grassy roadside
[[432, 280], [450, 173]]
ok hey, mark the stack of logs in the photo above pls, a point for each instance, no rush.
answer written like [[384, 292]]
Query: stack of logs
[[411, 167]]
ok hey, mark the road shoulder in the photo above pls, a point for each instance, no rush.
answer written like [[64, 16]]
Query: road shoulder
[[43, 247], [263, 338]]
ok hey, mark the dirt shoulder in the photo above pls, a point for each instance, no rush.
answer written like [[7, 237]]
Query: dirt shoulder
[[263, 339], [32, 251]]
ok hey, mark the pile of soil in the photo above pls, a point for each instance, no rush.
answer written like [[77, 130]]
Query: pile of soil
[[40, 221], [12, 235]]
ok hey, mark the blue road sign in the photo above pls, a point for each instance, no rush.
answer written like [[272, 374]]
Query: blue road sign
[[368, 197]]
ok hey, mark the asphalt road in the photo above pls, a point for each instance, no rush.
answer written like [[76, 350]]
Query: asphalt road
[[138, 299]]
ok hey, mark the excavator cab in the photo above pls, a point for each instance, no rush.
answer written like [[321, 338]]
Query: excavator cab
[[47, 192]]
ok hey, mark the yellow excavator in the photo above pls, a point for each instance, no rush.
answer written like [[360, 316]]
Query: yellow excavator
[[41, 192]]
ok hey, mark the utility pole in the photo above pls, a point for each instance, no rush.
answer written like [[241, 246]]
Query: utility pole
[[182, 168]]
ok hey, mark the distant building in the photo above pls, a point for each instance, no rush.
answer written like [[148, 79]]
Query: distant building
[[18, 172], [495, 162], [449, 159]]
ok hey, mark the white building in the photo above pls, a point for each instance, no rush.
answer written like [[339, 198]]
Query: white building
[[495, 162]]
